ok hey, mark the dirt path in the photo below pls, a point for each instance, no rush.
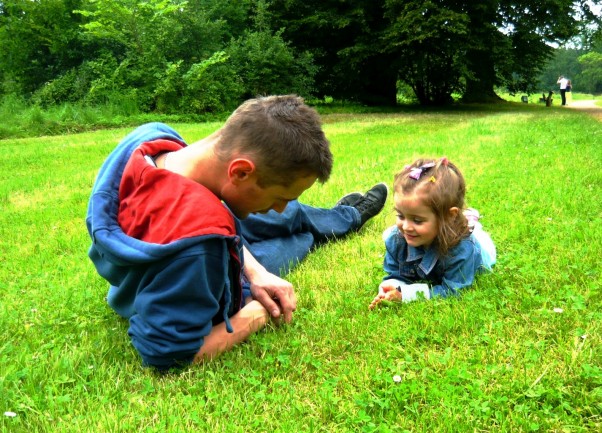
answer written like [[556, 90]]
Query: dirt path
[[588, 106]]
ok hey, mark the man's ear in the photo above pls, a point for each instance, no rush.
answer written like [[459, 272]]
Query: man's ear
[[453, 212], [240, 169]]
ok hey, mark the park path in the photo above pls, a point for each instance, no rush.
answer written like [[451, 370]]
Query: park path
[[588, 106]]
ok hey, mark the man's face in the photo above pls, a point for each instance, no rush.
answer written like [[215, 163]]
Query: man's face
[[249, 197]]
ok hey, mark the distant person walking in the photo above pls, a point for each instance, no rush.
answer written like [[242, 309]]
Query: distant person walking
[[568, 94], [563, 82]]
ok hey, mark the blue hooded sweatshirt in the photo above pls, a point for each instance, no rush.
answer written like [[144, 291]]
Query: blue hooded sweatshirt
[[172, 290]]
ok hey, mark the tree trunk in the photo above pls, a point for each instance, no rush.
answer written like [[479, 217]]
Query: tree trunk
[[379, 81], [480, 88], [480, 91]]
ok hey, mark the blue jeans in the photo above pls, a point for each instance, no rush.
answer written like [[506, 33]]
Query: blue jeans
[[281, 241]]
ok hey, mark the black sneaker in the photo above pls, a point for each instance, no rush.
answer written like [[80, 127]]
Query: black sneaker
[[372, 202], [350, 199]]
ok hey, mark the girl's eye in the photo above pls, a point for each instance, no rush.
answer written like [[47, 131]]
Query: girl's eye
[[400, 216], [418, 222]]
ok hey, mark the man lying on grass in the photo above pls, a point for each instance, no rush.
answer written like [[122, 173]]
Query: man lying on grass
[[191, 278]]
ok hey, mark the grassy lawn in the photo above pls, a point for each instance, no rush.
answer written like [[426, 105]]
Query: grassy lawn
[[521, 351]]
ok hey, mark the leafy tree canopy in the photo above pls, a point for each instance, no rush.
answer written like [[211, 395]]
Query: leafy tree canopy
[[204, 55], [437, 47]]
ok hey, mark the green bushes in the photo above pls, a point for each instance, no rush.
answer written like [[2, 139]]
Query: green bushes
[[207, 86], [258, 63]]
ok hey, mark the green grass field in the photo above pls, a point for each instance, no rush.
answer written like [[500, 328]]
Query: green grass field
[[521, 351]]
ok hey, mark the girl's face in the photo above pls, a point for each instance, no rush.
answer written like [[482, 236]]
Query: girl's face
[[415, 221]]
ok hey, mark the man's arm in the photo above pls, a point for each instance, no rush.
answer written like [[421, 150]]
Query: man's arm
[[274, 293], [272, 296], [250, 319], [177, 304]]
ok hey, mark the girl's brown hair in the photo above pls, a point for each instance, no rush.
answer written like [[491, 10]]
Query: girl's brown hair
[[440, 185]]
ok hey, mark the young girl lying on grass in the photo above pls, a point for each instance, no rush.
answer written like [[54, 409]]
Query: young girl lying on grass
[[435, 240]]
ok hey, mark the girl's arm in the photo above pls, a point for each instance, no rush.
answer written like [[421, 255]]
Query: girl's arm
[[461, 267], [394, 287], [398, 291]]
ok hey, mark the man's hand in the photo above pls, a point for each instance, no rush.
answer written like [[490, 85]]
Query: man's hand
[[386, 292], [274, 293]]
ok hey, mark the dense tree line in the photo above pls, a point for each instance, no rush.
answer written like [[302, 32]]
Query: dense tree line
[[198, 56]]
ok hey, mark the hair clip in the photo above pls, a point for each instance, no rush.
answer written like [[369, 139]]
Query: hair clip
[[432, 179], [444, 161], [416, 172]]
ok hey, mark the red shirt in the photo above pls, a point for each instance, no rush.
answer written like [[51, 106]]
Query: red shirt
[[159, 206]]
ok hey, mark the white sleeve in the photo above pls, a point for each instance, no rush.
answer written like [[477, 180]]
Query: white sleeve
[[409, 292]]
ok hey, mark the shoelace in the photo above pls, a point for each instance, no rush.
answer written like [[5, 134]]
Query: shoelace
[[365, 203]]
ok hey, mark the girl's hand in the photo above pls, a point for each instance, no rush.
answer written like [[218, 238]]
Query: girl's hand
[[386, 292], [386, 286]]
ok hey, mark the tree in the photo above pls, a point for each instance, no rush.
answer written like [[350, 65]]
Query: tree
[[489, 42], [153, 41], [529, 27], [267, 65], [565, 62], [137, 34], [38, 41], [591, 76], [421, 36], [436, 46], [343, 38], [354, 49]]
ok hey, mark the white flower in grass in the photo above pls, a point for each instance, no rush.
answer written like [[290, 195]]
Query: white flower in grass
[[558, 310], [10, 414], [397, 378]]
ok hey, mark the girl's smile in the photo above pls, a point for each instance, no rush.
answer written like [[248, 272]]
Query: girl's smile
[[415, 220]]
